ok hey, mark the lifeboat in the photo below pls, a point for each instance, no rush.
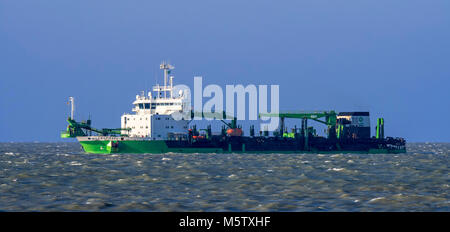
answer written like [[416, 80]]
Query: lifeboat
[[234, 132]]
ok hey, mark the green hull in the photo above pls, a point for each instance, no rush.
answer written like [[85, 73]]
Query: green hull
[[139, 146], [159, 146]]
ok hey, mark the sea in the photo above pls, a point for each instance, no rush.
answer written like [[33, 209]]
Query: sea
[[61, 177]]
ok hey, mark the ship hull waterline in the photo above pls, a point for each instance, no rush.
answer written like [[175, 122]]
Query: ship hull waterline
[[160, 147]]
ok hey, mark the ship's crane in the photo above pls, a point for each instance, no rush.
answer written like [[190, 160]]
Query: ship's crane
[[82, 128], [233, 128], [325, 117]]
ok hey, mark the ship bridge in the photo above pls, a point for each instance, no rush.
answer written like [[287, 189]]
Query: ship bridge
[[153, 111]]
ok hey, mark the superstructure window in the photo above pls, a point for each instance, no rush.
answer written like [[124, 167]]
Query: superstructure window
[[141, 106], [147, 105]]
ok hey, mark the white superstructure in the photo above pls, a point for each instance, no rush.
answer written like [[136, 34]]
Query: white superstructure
[[152, 116]]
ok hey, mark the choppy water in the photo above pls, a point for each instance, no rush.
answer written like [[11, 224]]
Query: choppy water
[[60, 177]]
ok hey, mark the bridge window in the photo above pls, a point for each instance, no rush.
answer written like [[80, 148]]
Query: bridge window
[[147, 105], [141, 106]]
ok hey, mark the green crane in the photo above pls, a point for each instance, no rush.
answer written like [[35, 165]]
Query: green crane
[[325, 117], [82, 128]]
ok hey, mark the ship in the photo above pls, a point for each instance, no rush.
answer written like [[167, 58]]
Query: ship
[[153, 128]]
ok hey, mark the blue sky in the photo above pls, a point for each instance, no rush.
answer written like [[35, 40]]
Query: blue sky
[[389, 57]]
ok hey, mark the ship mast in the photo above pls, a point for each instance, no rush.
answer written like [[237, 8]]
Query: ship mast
[[166, 67], [72, 106]]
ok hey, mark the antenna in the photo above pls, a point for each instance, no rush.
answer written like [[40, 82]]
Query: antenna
[[72, 107], [166, 67], [171, 86]]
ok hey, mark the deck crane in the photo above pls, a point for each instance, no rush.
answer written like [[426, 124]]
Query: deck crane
[[325, 117], [232, 130], [84, 128]]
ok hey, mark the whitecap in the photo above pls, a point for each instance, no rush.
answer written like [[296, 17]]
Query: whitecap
[[62, 154], [336, 169], [166, 158], [376, 199], [75, 163]]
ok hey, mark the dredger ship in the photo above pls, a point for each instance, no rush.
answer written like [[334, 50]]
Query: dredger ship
[[152, 128]]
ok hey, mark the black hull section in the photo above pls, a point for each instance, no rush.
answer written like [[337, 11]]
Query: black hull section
[[280, 144]]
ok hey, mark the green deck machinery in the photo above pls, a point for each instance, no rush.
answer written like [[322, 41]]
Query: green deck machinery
[[84, 128], [325, 117]]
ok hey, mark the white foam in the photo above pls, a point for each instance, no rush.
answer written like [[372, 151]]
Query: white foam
[[376, 199], [75, 163], [336, 169]]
